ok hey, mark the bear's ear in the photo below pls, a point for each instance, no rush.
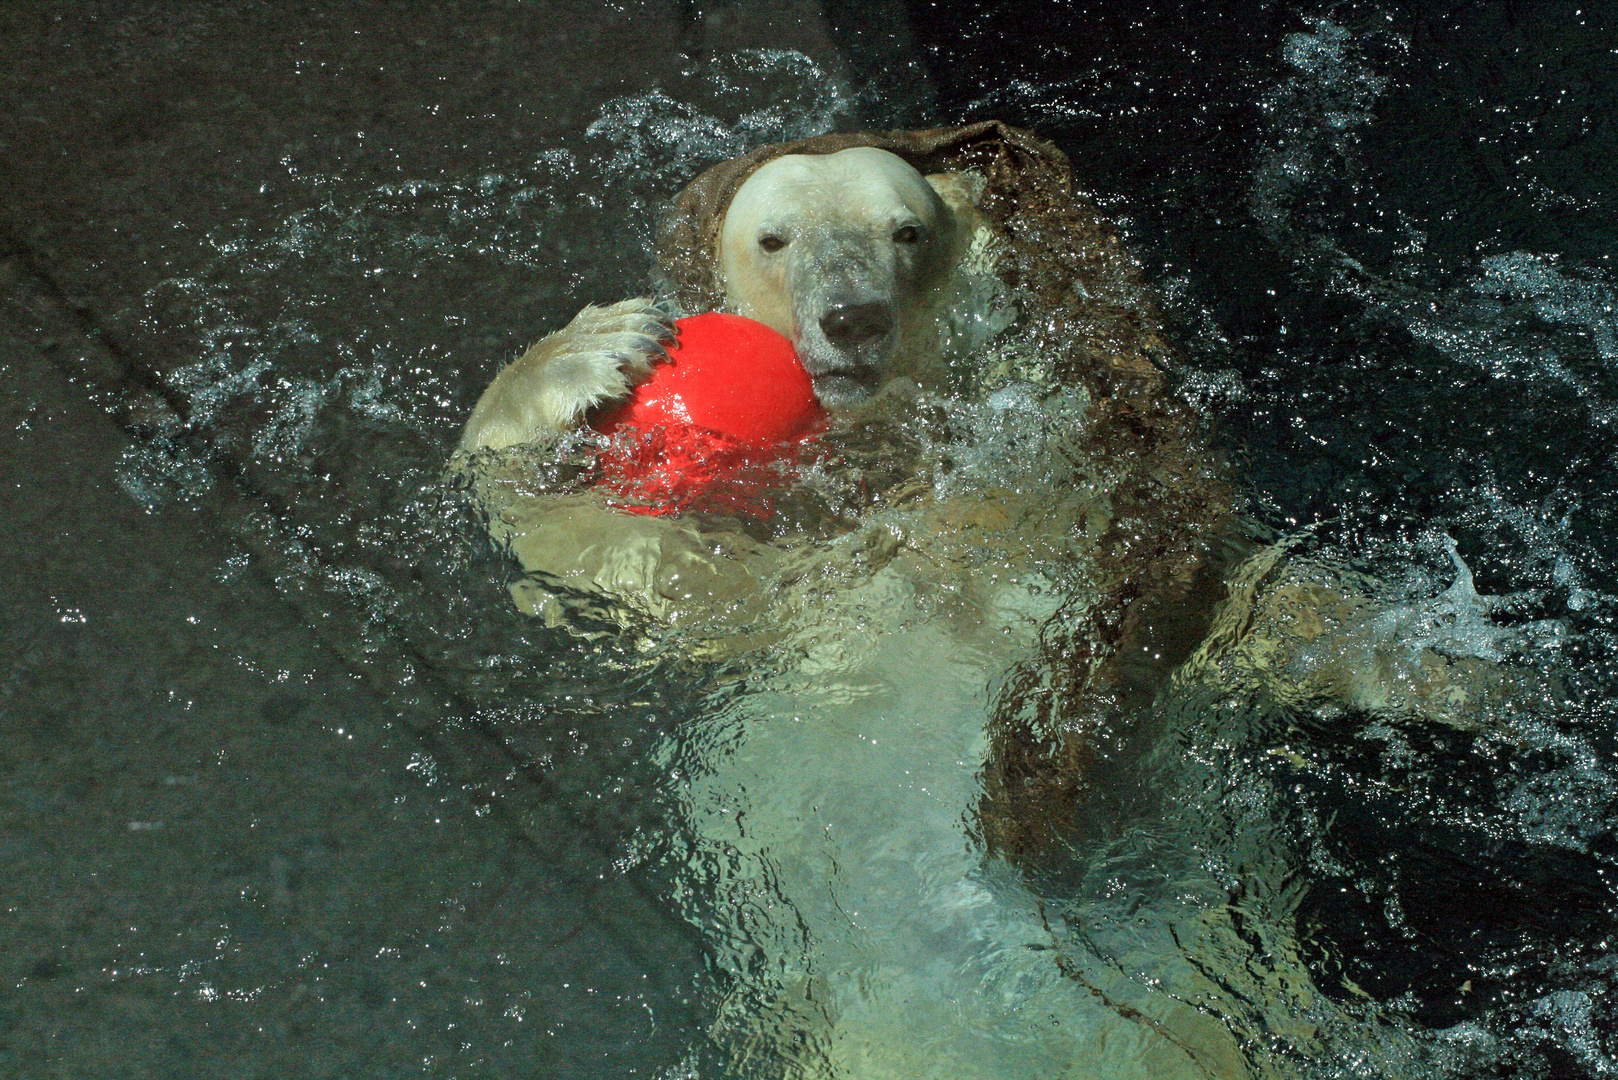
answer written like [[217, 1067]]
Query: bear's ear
[[959, 189]]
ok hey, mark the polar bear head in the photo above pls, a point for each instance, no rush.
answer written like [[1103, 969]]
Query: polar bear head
[[847, 254]]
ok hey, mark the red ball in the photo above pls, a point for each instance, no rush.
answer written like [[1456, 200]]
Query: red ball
[[730, 375], [702, 431]]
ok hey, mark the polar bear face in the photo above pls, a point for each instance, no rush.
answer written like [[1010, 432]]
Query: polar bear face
[[847, 255]]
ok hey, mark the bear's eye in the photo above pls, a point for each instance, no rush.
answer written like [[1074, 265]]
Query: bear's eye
[[906, 234], [771, 243]]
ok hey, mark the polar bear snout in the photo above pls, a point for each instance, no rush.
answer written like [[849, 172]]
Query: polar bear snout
[[851, 357], [847, 348], [849, 326]]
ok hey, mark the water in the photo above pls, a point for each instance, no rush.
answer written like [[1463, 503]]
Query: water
[[1385, 240]]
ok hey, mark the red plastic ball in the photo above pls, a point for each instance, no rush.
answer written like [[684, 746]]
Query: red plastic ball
[[730, 375], [703, 431]]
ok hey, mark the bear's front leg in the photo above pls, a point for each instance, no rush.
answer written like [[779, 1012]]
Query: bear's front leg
[[597, 358]]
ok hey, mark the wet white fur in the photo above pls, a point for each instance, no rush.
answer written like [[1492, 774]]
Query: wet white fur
[[598, 357], [837, 216]]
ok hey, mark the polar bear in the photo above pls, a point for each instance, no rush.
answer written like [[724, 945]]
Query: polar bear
[[854, 256], [829, 795], [902, 704]]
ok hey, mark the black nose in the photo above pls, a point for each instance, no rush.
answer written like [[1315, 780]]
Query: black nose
[[847, 325]]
